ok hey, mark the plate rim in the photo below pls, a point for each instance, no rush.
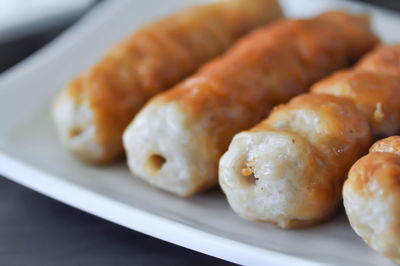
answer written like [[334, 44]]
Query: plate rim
[[174, 232]]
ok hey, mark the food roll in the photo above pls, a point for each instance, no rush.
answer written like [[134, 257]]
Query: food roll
[[371, 197], [298, 160], [288, 170], [176, 140], [93, 110]]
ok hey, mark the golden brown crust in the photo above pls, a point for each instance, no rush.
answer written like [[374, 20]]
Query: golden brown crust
[[342, 135], [376, 95], [339, 135], [374, 85], [380, 167], [385, 59], [382, 163], [155, 58], [351, 25], [274, 64]]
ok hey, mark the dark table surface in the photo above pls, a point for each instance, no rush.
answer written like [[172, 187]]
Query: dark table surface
[[36, 230]]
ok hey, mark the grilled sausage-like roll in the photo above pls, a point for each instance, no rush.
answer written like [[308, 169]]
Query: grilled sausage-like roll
[[175, 142], [290, 168], [371, 197], [92, 112]]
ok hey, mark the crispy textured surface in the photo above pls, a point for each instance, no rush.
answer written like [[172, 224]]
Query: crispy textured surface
[[298, 159], [371, 197], [234, 92], [332, 140], [149, 61], [374, 86]]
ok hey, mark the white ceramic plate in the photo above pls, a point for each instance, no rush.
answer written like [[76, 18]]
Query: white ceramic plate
[[31, 154], [20, 18]]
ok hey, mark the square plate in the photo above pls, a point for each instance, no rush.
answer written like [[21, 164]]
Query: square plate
[[31, 154]]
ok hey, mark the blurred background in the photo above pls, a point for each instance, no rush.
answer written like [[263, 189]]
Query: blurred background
[[25, 26], [36, 230]]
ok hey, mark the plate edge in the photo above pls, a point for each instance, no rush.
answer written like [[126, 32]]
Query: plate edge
[[95, 204]]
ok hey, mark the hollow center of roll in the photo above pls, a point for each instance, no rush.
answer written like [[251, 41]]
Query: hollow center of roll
[[74, 132], [248, 175], [156, 161]]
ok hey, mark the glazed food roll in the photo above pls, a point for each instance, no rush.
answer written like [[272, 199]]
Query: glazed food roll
[[290, 168], [176, 140], [371, 197], [374, 86], [93, 110]]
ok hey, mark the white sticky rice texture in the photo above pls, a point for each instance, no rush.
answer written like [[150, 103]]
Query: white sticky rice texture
[[75, 127], [278, 167], [165, 130]]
